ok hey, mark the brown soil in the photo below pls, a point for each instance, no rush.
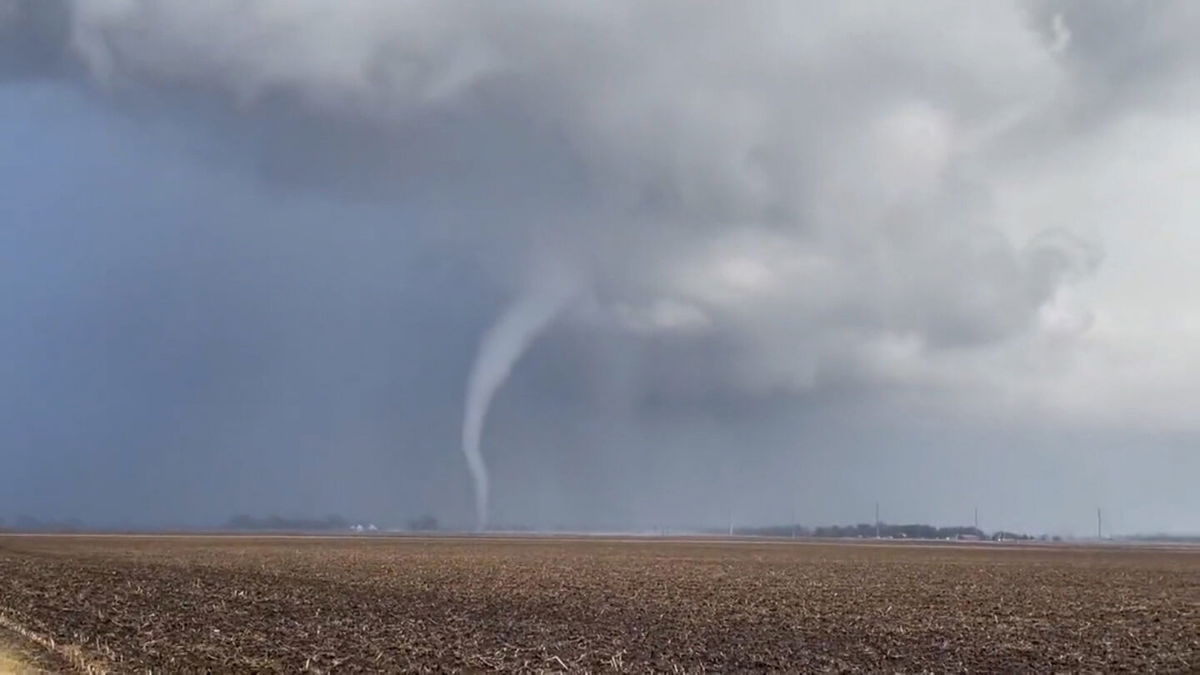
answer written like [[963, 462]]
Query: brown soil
[[394, 603]]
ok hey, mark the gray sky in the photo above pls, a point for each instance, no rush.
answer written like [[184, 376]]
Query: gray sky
[[933, 254]]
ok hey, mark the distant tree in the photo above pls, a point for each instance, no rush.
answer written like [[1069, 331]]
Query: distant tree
[[274, 523], [241, 522], [775, 531], [28, 523], [425, 523]]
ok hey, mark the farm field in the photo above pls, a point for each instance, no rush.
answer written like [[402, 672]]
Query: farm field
[[125, 604]]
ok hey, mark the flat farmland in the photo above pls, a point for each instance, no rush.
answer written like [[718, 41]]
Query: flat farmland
[[125, 604]]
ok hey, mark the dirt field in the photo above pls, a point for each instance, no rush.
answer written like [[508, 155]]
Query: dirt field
[[242, 603]]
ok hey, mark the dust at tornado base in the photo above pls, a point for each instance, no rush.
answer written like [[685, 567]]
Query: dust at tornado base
[[126, 604]]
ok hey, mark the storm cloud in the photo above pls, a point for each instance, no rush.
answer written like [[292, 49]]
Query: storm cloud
[[264, 238]]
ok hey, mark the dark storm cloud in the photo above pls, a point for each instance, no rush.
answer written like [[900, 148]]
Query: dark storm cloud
[[776, 210], [640, 166], [34, 38]]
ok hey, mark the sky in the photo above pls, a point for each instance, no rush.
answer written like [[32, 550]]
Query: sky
[[802, 257]]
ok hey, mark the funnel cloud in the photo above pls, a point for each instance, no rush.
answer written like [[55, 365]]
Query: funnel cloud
[[501, 348]]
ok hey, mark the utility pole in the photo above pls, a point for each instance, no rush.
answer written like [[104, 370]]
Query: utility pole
[[1099, 524], [876, 520], [976, 518]]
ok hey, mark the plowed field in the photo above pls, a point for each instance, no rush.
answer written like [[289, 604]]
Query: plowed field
[[239, 604]]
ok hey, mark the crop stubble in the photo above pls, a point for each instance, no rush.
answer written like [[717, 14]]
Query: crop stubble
[[389, 603]]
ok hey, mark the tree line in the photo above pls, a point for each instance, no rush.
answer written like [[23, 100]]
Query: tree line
[[885, 530]]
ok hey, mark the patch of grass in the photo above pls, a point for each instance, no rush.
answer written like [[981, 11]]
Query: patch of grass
[[10, 665]]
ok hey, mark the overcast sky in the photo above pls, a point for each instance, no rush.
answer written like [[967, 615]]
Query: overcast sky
[[938, 255]]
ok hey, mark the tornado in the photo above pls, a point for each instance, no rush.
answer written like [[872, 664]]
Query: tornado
[[499, 350]]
